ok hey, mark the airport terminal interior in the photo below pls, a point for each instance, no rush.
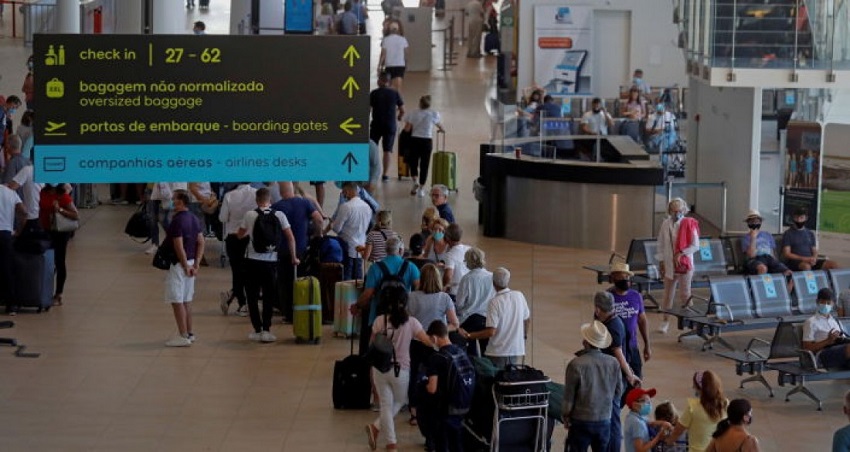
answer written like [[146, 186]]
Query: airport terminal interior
[[105, 382]]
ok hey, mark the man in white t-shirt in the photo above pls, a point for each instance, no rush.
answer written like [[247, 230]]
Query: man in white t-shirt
[[261, 266], [393, 57], [507, 323], [32, 192], [351, 223], [10, 203], [455, 265], [236, 204], [823, 335]]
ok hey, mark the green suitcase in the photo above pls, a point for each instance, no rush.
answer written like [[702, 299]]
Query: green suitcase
[[444, 165], [307, 311]]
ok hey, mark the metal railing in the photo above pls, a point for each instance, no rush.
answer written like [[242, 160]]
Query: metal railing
[[449, 54]]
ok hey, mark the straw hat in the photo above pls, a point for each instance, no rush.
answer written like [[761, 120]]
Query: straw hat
[[596, 334], [753, 213], [621, 267]]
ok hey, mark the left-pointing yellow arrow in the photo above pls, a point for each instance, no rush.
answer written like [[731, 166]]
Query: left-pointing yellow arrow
[[350, 85], [348, 127]]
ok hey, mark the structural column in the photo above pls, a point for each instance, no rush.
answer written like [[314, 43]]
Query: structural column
[[68, 16], [128, 17], [168, 17]]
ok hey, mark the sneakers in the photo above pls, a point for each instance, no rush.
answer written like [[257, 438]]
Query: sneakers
[[178, 341], [191, 337], [151, 249], [225, 297], [242, 311], [372, 435], [385, 178], [665, 325], [255, 336], [414, 189], [267, 336], [421, 193]]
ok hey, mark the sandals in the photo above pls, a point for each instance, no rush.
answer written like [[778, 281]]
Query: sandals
[[372, 434], [57, 300], [413, 422]]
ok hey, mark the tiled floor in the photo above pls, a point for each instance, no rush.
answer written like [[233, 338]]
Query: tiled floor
[[105, 382]]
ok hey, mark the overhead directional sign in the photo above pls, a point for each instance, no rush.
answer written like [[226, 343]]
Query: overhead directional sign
[[125, 108]]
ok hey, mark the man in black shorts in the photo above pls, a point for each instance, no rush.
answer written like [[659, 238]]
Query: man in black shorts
[[387, 108], [799, 247]]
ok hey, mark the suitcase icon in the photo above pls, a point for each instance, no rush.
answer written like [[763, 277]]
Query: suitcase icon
[[55, 88]]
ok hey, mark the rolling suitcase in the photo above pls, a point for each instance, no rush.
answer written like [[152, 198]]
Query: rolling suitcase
[[352, 387], [307, 310], [522, 401], [33, 275], [403, 143], [330, 273], [345, 295], [444, 165]]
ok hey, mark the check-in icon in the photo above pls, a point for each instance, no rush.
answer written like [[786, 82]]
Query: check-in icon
[[53, 128]]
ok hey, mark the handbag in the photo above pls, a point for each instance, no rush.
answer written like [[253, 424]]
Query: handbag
[[62, 223], [165, 256], [381, 352], [210, 207], [138, 226]]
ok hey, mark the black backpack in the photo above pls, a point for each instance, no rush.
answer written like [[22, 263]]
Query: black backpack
[[389, 279], [267, 233]]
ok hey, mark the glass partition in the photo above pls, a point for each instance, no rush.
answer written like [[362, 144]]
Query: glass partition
[[797, 34]]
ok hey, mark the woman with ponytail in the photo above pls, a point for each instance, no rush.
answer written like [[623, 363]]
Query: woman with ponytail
[[731, 434], [702, 413]]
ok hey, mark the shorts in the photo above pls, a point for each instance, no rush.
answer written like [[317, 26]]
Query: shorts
[[317, 182], [395, 71], [386, 136], [773, 265], [794, 265], [179, 288]]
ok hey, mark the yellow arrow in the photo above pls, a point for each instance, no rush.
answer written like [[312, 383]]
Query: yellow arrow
[[348, 127], [351, 54], [350, 85]]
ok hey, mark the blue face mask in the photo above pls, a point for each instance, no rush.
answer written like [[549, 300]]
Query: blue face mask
[[645, 409], [439, 236], [824, 309], [677, 216], [637, 80], [12, 111]]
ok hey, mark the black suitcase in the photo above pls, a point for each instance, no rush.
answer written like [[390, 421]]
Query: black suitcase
[[491, 42], [33, 273], [204, 3], [352, 388]]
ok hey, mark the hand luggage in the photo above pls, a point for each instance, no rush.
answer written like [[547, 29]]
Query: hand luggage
[[444, 165], [345, 295], [403, 169], [307, 310], [352, 387], [33, 276], [330, 274], [522, 403], [403, 145], [491, 42]]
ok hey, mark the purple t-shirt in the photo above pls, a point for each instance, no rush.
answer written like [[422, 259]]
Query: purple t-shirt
[[629, 307], [185, 224]]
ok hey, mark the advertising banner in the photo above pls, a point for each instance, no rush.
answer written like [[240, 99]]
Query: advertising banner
[[563, 39], [802, 171]]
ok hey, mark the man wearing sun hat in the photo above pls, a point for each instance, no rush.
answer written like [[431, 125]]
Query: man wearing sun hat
[[592, 385], [628, 305], [760, 248]]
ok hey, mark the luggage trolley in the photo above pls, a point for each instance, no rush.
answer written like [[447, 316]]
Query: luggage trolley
[[519, 421]]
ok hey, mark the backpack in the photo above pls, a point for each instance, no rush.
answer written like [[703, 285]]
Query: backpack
[[461, 381], [267, 233], [389, 280], [330, 250]]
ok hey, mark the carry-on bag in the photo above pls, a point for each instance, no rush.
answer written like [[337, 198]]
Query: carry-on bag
[[352, 388], [307, 310], [329, 275], [521, 394], [33, 275], [444, 165], [345, 296], [403, 149]]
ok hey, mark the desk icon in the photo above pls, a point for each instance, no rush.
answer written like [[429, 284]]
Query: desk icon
[[54, 164]]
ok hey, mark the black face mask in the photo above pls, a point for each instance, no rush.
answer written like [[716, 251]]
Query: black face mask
[[754, 226], [597, 110], [623, 284], [800, 224]]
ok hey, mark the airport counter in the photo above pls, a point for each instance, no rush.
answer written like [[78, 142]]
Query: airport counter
[[568, 202]]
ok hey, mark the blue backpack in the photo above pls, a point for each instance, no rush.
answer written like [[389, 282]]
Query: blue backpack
[[330, 250], [461, 380]]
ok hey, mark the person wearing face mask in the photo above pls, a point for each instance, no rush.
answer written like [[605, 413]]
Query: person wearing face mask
[[628, 305], [759, 247], [13, 103], [637, 80], [159, 208], [661, 133], [800, 248], [636, 426], [678, 240], [199, 28], [702, 412], [731, 433], [823, 335], [28, 87], [436, 245], [597, 121]]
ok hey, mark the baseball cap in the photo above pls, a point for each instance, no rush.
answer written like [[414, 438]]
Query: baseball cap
[[637, 393]]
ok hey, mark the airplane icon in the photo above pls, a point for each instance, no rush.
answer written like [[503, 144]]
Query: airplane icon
[[54, 126]]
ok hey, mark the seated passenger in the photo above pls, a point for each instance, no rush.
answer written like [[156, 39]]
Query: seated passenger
[[800, 248], [759, 248], [823, 335]]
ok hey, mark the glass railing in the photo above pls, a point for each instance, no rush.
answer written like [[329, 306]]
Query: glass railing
[[798, 34]]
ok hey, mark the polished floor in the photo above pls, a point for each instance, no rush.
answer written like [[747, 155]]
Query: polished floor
[[105, 382]]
